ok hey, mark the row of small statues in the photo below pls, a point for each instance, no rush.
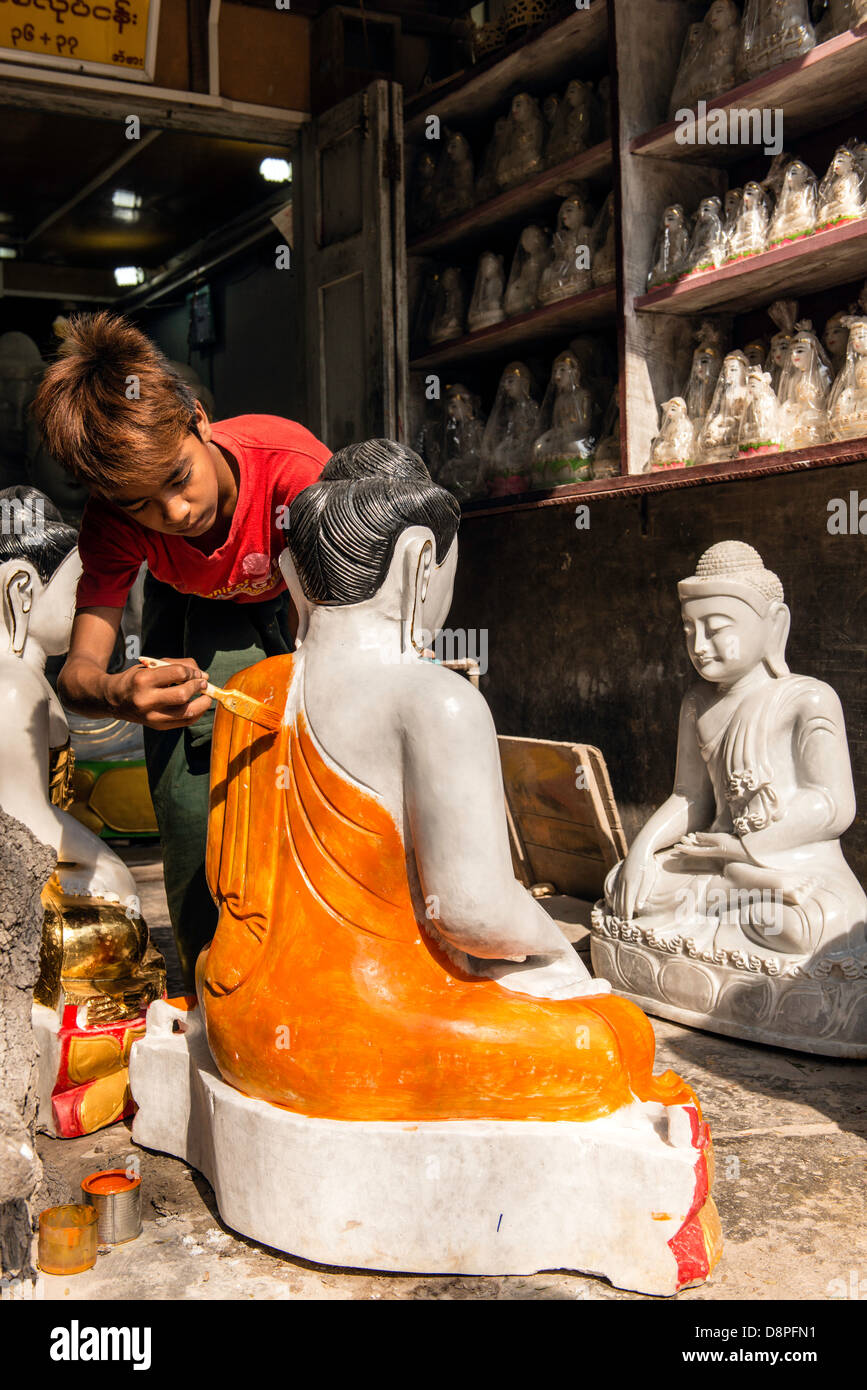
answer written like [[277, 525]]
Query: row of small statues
[[545, 269], [788, 204], [744, 403], [725, 49], [522, 445], [531, 138]]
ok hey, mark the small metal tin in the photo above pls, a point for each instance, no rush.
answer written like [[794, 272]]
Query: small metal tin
[[116, 1197], [67, 1239]]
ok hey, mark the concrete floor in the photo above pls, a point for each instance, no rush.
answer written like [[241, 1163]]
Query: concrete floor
[[790, 1134]]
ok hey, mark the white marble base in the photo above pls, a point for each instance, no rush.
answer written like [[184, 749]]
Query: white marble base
[[803, 1006], [459, 1197]]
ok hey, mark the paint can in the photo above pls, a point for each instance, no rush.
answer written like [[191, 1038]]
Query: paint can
[[115, 1195], [67, 1239]]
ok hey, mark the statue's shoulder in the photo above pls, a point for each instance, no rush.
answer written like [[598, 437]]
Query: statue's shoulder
[[808, 697], [440, 696]]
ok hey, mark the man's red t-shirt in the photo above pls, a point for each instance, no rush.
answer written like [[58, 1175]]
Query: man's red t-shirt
[[277, 459]]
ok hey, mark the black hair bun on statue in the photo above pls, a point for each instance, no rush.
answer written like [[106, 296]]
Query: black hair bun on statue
[[344, 527], [33, 530]]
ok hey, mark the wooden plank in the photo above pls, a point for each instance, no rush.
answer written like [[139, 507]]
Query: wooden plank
[[552, 320], [95, 97], [571, 874], [825, 85], [832, 257], [665, 480], [522, 201], [549, 56], [549, 832]]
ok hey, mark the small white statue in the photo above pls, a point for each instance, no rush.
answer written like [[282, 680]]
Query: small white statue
[[720, 433], [606, 460], [486, 182], [707, 247], [570, 132], [803, 392], [735, 907], [448, 318], [522, 155], [569, 270], [732, 203], [795, 213], [510, 433], [532, 254], [761, 425], [486, 305], [847, 403], [835, 339], [563, 451], [674, 446], [422, 206], [842, 191], [774, 32], [703, 374], [707, 61], [756, 352], [455, 191], [749, 234], [784, 313], [672, 244], [460, 448], [603, 265]]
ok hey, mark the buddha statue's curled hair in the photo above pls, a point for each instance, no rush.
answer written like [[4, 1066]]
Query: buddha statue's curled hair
[[344, 527], [33, 529]]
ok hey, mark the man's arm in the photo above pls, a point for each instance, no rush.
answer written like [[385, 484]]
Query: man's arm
[[166, 698]]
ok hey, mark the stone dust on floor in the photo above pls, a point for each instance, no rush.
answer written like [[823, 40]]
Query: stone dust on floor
[[790, 1138]]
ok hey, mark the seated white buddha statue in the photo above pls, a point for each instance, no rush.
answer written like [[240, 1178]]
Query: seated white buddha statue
[[98, 971], [745, 854], [360, 856]]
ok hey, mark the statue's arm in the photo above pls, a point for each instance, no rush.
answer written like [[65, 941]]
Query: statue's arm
[[824, 804], [456, 813], [691, 804], [690, 807]]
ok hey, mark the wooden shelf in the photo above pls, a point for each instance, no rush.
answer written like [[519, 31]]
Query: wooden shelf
[[548, 55], [816, 90], [663, 480], [516, 202], [552, 320], [816, 262]]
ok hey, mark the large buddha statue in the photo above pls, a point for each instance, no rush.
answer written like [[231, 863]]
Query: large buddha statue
[[735, 907], [377, 966], [98, 971]]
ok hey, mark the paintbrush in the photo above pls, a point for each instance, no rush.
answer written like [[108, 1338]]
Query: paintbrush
[[235, 701]]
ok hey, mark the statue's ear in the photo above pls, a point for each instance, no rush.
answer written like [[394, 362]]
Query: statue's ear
[[409, 576], [776, 658], [17, 582], [299, 598]]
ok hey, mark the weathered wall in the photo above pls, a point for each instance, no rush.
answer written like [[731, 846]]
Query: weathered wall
[[25, 866], [584, 633]]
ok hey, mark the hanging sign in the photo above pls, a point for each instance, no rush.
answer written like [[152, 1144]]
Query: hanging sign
[[111, 40]]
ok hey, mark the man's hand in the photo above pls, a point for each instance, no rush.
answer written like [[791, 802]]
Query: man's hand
[[165, 697]]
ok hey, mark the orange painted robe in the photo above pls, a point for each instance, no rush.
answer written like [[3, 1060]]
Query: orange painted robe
[[322, 993]]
